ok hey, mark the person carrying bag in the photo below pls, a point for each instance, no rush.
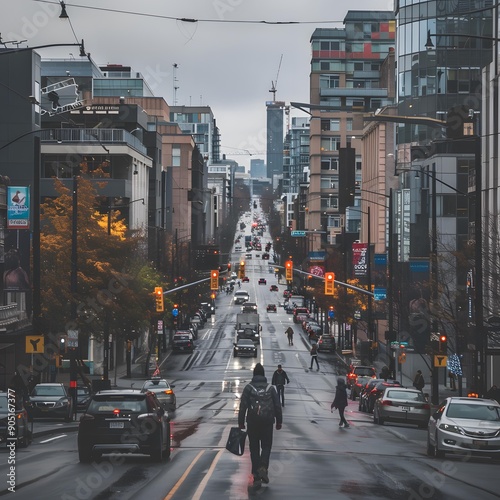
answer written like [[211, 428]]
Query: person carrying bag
[[236, 441]]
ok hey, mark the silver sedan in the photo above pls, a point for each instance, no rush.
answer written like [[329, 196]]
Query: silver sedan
[[398, 404]]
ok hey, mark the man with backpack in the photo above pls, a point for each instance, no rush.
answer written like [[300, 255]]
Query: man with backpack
[[261, 406]]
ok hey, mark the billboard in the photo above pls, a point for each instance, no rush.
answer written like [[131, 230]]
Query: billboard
[[360, 259], [18, 207]]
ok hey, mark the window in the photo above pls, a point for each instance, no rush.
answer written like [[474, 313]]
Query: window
[[176, 156], [329, 202], [329, 164], [329, 182], [329, 81], [330, 125], [330, 143], [348, 124]]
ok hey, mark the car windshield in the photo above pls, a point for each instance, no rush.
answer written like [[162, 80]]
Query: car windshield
[[82, 391], [48, 391], [108, 403], [363, 371], [406, 395], [245, 343], [474, 411]]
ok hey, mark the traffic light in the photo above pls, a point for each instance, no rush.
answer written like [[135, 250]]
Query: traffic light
[[329, 283], [214, 279], [289, 270], [443, 344], [160, 307], [242, 269]]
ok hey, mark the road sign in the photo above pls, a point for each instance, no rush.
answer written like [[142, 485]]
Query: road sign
[[34, 344], [440, 361], [298, 233], [331, 314]]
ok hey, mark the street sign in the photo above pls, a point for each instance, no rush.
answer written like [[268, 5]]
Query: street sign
[[298, 233], [331, 314], [34, 344], [440, 361]]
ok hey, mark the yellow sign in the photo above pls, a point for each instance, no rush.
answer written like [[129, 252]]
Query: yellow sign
[[34, 344], [440, 361]]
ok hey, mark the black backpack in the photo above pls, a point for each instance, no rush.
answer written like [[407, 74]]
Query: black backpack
[[261, 407]]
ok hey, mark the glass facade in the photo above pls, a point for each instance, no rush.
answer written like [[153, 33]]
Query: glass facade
[[431, 81]]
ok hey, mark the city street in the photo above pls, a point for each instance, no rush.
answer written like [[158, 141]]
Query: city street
[[311, 455]]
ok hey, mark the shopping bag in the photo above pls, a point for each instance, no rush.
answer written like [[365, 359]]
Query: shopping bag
[[236, 441]]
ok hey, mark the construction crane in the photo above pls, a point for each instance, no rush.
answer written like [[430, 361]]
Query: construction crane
[[273, 84]]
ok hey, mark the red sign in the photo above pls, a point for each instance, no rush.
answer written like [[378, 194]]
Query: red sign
[[359, 259]]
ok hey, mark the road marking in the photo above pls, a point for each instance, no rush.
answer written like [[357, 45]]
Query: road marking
[[178, 484], [53, 438], [208, 475]]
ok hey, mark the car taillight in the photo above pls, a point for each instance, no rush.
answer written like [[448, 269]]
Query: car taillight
[[170, 391], [387, 403], [426, 406], [116, 411]]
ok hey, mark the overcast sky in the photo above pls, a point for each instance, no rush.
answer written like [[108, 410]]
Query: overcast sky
[[228, 66]]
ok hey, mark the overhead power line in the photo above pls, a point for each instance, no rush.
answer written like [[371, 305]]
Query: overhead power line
[[188, 19]]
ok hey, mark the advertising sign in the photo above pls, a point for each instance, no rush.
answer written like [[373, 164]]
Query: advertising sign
[[359, 259], [18, 207]]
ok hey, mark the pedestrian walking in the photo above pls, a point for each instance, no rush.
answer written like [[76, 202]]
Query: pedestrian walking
[[314, 356], [340, 401], [261, 407], [289, 334], [279, 379], [418, 381]]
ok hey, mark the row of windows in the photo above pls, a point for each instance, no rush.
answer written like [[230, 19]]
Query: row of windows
[[333, 124], [417, 9], [427, 81], [190, 117], [359, 104]]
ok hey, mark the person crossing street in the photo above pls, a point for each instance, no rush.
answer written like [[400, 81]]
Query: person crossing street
[[289, 334]]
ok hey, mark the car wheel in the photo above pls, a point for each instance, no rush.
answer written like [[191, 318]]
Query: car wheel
[[25, 441], [430, 447], [85, 454], [437, 452], [157, 455], [68, 418], [375, 418]]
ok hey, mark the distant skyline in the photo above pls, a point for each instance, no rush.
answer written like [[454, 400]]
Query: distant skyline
[[223, 60]]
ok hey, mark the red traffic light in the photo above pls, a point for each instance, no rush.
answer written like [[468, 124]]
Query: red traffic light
[[442, 338]]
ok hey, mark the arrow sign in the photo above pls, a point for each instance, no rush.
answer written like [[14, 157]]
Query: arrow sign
[[298, 233], [440, 361]]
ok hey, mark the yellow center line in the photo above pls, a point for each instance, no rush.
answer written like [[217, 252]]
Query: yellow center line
[[178, 484], [208, 475]]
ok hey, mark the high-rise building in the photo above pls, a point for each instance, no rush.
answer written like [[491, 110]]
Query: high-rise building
[[296, 154], [275, 136], [257, 168], [344, 85]]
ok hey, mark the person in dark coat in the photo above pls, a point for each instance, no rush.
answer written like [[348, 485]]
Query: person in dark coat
[[260, 433], [340, 401], [385, 373], [279, 379], [418, 381]]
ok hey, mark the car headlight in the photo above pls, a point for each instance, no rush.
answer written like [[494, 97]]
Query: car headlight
[[452, 428], [61, 402]]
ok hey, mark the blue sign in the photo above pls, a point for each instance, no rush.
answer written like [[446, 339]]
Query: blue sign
[[18, 207], [175, 313], [379, 293], [298, 233], [331, 314]]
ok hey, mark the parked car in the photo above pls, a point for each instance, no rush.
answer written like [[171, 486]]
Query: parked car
[[358, 386], [182, 341], [82, 398], [124, 421], [50, 400], [300, 314], [356, 371], [376, 392], [245, 347], [262, 281], [12, 405], [398, 404], [271, 308], [471, 425], [163, 390], [274, 288], [326, 343]]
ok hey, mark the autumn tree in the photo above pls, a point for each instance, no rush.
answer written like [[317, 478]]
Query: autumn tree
[[114, 280]]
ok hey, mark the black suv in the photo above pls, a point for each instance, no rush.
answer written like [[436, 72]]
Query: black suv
[[50, 400], [124, 421], [183, 341]]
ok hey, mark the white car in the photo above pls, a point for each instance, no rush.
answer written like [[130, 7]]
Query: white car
[[468, 425]]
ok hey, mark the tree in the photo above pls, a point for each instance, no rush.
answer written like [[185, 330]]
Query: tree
[[114, 283]]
